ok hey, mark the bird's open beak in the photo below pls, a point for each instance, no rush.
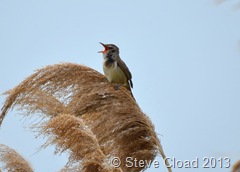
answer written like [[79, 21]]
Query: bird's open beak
[[105, 50]]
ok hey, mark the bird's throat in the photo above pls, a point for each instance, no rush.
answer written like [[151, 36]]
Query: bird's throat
[[109, 62]]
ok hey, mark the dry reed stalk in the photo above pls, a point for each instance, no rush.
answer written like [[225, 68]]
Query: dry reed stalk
[[113, 116], [12, 161]]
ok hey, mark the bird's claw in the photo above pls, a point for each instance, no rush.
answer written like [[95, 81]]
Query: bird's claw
[[117, 86]]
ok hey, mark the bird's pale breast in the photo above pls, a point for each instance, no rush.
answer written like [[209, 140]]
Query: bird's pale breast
[[114, 74]]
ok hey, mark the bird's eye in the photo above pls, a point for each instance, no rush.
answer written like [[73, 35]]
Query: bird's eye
[[110, 48]]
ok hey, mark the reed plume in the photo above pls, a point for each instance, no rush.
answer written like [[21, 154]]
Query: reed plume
[[88, 116], [236, 166], [70, 133], [12, 161]]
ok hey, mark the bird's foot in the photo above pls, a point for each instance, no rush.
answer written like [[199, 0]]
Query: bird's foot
[[104, 80], [117, 86]]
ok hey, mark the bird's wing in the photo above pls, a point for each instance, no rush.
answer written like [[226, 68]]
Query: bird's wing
[[125, 70]]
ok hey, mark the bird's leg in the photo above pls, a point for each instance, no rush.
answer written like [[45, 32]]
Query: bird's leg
[[104, 79]]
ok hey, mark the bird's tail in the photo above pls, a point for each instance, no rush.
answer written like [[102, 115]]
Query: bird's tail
[[132, 95], [129, 88]]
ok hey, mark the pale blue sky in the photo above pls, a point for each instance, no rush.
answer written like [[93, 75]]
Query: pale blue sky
[[184, 57]]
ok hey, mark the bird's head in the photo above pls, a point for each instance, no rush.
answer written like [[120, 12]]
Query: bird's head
[[109, 49]]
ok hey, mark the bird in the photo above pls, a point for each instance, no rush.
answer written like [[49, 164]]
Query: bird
[[115, 70]]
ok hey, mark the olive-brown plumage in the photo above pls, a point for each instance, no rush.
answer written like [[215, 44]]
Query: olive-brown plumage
[[115, 70]]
